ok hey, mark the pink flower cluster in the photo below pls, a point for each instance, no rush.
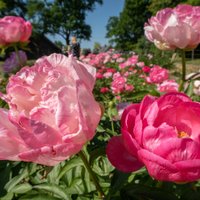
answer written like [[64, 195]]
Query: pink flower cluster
[[102, 58], [175, 28], [161, 134], [14, 29], [52, 111], [159, 76]]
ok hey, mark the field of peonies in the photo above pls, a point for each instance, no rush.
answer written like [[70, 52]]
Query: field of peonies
[[108, 126]]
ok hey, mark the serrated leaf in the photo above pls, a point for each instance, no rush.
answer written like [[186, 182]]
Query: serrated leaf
[[55, 189]]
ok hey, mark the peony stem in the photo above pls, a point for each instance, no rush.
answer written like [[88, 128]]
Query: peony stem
[[92, 174], [183, 65]]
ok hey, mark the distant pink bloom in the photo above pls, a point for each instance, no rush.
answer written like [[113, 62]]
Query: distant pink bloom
[[140, 64], [99, 75], [118, 84], [107, 74], [157, 75], [118, 97], [52, 111], [14, 29], [161, 134], [168, 86], [104, 90], [129, 87], [175, 28], [111, 70], [146, 69], [116, 55], [12, 62], [119, 60]]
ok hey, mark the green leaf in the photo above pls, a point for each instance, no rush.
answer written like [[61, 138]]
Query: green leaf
[[8, 196], [100, 129], [14, 181], [38, 196], [74, 162], [55, 189], [22, 188], [189, 90]]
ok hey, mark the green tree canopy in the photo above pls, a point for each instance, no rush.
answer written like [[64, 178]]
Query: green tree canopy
[[126, 29]]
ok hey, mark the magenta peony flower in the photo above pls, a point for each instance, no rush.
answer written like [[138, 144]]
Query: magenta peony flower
[[14, 29], [162, 134], [52, 111], [12, 62], [175, 28]]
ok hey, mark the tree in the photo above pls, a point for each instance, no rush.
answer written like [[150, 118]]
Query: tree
[[126, 29], [63, 17], [13, 7]]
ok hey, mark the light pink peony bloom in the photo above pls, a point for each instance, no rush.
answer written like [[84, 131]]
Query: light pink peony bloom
[[168, 86], [175, 28], [52, 111], [14, 29], [162, 134], [157, 74]]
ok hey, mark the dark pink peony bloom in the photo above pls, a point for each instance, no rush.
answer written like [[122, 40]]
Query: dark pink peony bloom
[[14, 29], [161, 134], [175, 28], [104, 90], [52, 111]]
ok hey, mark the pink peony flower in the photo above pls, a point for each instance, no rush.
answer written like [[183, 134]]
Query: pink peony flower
[[162, 134], [175, 28], [168, 86], [52, 111], [157, 75], [107, 74], [104, 90], [14, 29], [140, 64], [118, 83], [99, 75], [12, 62], [146, 69], [129, 87]]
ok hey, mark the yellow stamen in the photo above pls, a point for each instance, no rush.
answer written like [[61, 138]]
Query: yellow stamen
[[182, 134]]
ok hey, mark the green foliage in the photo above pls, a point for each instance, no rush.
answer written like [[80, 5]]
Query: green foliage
[[126, 29]]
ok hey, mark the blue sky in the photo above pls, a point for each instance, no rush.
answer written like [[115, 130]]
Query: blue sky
[[98, 20]]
